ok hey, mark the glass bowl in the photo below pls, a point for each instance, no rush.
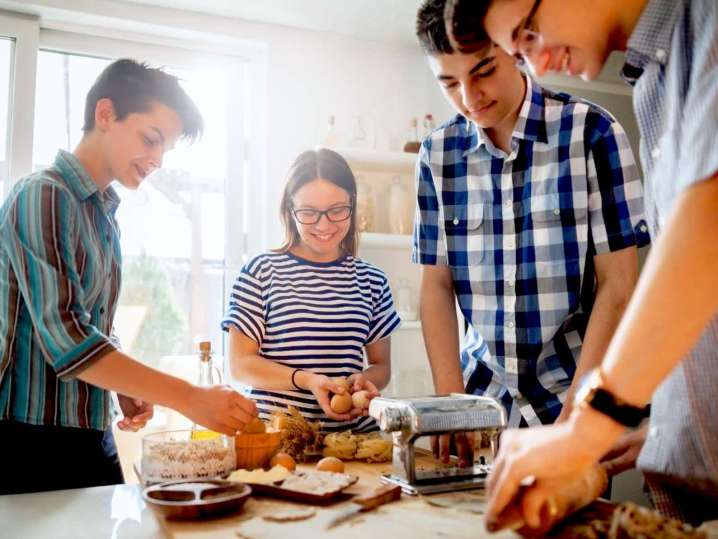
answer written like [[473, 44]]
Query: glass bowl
[[174, 455]]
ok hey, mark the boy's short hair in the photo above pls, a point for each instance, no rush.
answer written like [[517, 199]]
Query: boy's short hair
[[133, 87], [464, 24], [431, 27]]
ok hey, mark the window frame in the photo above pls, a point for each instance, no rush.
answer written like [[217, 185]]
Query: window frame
[[30, 36], [24, 31]]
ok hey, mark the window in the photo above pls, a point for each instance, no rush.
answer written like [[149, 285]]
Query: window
[[6, 46], [173, 228]]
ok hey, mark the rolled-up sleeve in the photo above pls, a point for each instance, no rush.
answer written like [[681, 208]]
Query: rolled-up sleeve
[[41, 241], [615, 192]]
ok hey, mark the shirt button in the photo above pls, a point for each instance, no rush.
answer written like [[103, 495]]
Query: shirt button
[[102, 310], [455, 221], [509, 283], [556, 211], [643, 228], [660, 55], [510, 243], [508, 203], [656, 153], [510, 324], [653, 432]]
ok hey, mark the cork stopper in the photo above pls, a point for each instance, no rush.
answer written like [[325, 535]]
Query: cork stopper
[[205, 350]]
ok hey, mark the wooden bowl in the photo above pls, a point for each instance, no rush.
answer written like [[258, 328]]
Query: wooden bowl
[[256, 450]]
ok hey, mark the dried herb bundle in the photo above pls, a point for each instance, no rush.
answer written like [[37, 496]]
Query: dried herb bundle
[[300, 438]]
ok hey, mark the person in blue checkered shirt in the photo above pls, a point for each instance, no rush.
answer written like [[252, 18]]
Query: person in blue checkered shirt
[[529, 214]]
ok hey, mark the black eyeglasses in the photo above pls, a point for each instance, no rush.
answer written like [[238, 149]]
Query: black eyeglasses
[[337, 214], [528, 38]]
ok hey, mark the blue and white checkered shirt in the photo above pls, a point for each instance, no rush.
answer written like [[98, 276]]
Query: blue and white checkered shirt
[[519, 233]]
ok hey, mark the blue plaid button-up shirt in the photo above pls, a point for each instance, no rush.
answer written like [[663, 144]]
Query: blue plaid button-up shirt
[[519, 233]]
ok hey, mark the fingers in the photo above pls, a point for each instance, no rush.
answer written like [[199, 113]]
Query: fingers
[[243, 403], [444, 448], [504, 486]]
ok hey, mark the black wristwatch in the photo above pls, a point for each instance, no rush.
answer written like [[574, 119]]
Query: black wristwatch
[[591, 393]]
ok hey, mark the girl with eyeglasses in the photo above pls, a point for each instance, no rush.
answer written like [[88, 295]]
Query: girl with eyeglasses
[[302, 316]]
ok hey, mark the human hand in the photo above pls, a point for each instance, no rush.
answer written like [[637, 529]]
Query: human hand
[[360, 382], [136, 413], [567, 449], [624, 453], [464, 443], [218, 408], [553, 498], [321, 386]]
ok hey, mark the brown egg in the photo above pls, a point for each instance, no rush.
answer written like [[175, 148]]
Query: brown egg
[[343, 382], [341, 404], [283, 459], [330, 464], [361, 399]]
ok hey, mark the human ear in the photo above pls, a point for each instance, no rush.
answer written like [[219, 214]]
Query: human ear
[[104, 113]]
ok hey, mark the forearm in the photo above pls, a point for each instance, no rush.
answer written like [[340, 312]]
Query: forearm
[[675, 300], [378, 375], [120, 373], [439, 326], [257, 371]]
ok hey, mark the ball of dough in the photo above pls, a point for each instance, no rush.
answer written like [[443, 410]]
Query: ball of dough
[[343, 382]]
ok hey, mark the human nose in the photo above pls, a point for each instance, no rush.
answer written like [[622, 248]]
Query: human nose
[[471, 95]]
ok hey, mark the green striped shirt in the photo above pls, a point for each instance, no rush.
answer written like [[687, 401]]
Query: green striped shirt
[[60, 266]]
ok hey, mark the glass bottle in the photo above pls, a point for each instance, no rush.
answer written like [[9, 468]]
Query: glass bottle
[[365, 206], [404, 306], [412, 144], [208, 375], [400, 207], [359, 139], [331, 138], [428, 126]]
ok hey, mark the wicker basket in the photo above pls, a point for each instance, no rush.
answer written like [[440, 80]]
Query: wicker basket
[[256, 450]]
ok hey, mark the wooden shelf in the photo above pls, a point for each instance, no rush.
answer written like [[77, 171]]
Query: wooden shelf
[[385, 241], [378, 161]]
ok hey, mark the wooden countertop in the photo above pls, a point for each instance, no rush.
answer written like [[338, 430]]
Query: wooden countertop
[[411, 517]]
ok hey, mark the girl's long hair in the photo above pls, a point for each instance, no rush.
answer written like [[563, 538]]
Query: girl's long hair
[[310, 165]]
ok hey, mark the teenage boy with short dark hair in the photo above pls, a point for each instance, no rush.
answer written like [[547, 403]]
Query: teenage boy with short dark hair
[[60, 264]]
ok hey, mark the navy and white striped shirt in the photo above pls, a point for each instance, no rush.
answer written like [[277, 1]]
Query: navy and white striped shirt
[[317, 316], [60, 265], [519, 232]]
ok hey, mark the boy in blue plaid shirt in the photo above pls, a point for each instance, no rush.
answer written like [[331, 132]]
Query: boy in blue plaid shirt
[[529, 214]]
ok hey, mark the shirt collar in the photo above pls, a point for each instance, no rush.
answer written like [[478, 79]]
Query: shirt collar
[[78, 180], [530, 124], [651, 38]]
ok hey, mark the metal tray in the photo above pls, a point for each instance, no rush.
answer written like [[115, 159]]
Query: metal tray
[[189, 500]]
